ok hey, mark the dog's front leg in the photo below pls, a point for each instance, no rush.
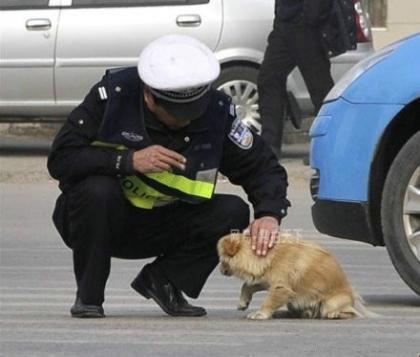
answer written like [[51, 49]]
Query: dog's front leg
[[246, 294], [277, 296]]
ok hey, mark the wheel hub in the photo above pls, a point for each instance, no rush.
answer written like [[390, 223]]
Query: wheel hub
[[241, 111], [245, 97], [412, 213]]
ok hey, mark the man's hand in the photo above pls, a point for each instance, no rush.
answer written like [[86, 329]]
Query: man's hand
[[156, 158], [263, 232]]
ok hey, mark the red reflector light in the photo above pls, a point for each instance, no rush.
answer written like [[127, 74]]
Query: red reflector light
[[362, 22]]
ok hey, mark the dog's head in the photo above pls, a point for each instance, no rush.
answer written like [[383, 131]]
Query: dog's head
[[227, 248]]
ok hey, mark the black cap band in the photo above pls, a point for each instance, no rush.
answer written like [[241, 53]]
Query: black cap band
[[181, 96]]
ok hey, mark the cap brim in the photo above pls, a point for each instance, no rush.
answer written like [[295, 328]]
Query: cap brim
[[187, 111]]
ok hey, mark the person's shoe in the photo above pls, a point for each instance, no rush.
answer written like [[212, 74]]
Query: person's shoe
[[79, 309], [151, 284]]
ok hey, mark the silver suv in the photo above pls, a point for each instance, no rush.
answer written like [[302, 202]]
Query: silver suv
[[53, 51]]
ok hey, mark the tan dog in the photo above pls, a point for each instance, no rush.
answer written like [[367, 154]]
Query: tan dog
[[298, 273]]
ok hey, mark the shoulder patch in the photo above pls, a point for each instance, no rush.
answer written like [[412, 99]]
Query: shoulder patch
[[102, 93], [241, 135]]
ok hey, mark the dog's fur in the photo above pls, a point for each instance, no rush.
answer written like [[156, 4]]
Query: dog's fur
[[296, 273]]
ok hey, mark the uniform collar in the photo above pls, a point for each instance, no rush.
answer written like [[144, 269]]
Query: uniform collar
[[151, 121], [197, 125]]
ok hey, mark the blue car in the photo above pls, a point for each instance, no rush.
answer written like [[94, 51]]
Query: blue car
[[365, 150]]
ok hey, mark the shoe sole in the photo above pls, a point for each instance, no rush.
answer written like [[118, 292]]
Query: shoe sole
[[87, 315], [149, 295]]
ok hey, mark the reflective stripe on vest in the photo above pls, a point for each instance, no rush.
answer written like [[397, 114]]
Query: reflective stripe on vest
[[184, 184], [143, 195]]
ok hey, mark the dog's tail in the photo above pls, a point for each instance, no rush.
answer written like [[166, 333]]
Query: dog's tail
[[359, 308]]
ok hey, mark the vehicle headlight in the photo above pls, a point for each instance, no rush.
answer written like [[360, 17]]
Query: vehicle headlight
[[356, 71]]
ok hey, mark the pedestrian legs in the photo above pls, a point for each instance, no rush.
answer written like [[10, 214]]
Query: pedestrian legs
[[272, 79]]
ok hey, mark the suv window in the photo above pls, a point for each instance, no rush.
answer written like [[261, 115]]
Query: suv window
[[116, 3], [23, 4]]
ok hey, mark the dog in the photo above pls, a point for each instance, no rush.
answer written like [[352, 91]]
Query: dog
[[299, 274]]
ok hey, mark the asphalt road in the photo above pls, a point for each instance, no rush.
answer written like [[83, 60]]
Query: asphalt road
[[37, 290]]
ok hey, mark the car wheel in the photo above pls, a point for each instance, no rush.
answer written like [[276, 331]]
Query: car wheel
[[401, 213], [240, 82]]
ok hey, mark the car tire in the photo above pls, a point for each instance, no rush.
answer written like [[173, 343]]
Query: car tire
[[240, 83], [400, 213]]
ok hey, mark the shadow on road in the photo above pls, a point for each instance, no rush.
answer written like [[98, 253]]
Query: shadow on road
[[393, 300]]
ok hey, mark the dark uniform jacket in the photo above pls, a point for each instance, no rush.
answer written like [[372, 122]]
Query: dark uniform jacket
[[72, 157], [339, 31], [335, 20]]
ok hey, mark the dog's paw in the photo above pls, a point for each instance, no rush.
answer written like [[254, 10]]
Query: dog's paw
[[258, 315], [242, 305]]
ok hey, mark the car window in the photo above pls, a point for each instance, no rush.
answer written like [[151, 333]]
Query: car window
[[120, 29], [23, 4], [116, 3]]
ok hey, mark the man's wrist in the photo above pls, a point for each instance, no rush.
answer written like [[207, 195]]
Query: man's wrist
[[271, 215], [124, 162]]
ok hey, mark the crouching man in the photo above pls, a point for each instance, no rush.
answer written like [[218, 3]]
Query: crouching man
[[137, 163]]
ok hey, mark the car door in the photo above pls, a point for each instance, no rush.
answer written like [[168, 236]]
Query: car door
[[27, 43], [94, 35]]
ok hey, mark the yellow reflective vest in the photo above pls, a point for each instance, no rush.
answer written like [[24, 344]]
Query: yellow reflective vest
[[123, 128]]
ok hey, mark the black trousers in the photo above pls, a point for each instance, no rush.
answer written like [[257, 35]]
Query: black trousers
[[98, 223], [290, 45]]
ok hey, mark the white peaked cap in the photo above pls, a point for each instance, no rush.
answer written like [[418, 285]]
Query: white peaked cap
[[177, 62]]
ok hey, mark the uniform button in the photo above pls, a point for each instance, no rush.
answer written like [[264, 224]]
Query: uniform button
[[324, 35], [221, 103], [201, 165], [118, 89], [81, 121], [187, 139]]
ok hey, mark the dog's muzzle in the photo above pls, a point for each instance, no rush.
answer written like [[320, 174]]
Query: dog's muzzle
[[225, 269]]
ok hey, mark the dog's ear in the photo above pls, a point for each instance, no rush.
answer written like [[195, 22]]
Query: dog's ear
[[231, 246]]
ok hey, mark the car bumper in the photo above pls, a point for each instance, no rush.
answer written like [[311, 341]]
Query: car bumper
[[347, 220], [341, 155], [342, 152]]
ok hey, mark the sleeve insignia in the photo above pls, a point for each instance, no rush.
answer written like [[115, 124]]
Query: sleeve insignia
[[241, 135]]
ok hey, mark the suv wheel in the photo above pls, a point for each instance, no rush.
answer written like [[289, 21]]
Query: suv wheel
[[240, 82], [401, 213]]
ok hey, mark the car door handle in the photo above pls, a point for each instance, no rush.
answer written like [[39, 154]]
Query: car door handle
[[188, 20], [38, 24]]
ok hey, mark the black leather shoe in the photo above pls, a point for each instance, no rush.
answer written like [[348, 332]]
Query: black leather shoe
[[79, 309], [151, 284]]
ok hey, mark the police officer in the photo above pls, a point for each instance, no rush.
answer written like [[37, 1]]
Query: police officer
[[137, 162]]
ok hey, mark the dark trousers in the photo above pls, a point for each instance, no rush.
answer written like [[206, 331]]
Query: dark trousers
[[98, 223], [290, 45]]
